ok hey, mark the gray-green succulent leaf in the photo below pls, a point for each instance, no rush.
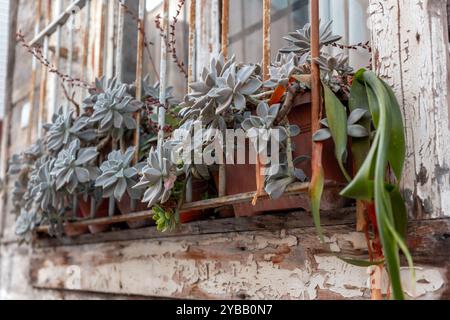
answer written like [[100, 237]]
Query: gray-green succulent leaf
[[74, 167], [118, 175]]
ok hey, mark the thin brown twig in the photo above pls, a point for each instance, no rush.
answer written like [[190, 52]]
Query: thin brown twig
[[36, 51], [71, 99], [171, 41]]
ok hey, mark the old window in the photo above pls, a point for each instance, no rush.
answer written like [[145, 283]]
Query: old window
[[95, 38]]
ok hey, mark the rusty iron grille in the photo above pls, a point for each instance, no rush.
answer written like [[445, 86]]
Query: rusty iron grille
[[104, 56]]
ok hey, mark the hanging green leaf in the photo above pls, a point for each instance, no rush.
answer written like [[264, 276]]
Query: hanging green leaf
[[388, 147], [315, 196], [337, 122], [358, 100]]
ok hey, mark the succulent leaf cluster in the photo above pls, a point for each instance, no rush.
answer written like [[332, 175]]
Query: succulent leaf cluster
[[300, 40], [64, 129], [354, 129], [158, 178], [118, 175], [113, 109], [75, 167]]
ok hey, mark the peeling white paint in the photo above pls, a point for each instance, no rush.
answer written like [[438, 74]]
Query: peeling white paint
[[340, 277]]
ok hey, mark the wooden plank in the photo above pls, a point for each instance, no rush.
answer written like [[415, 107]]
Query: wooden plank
[[268, 264], [410, 43], [51, 28], [286, 220], [7, 120], [296, 189]]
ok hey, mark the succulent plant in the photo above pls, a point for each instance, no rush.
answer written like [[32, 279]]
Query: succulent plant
[[158, 178], [338, 63], [153, 91], [300, 40], [282, 69], [101, 86], [235, 83], [64, 129], [113, 110], [280, 176], [354, 129], [44, 192], [227, 83], [74, 167], [26, 222], [165, 220], [209, 76], [260, 128], [119, 176]]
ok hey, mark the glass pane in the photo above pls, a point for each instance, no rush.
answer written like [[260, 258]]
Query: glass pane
[[246, 25]]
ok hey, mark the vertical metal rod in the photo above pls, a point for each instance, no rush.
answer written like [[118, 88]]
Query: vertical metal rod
[[111, 40], [119, 52], [93, 208], [71, 25], [191, 71], [57, 60], [31, 122], [139, 73], [86, 38], [214, 39], [163, 82], [265, 68], [266, 38], [224, 41], [225, 26], [44, 73], [101, 41], [75, 206], [315, 70], [112, 206], [192, 43]]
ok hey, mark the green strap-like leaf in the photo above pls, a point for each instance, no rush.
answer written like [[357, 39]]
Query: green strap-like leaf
[[315, 196], [337, 121], [358, 100]]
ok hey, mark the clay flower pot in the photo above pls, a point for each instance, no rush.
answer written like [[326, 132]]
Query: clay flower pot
[[125, 208], [242, 178], [72, 231], [101, 212]]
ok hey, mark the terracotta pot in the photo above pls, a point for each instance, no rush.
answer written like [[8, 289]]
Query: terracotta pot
[[242, 178], [199, 188], [125, 208], [101, 212], [71, 231]]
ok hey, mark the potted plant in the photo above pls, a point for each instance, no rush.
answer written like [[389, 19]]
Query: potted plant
[[118, 178], [74, 172]]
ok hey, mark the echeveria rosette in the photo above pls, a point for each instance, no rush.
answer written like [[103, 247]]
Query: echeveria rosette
[[114, 110], [354, 130], [282, 69], [64, 129], [280, 176], [157, 178], [261, 127], [44, 193], [300, 40], [74, 167], [233, 86], [119, 176], [153, 92]]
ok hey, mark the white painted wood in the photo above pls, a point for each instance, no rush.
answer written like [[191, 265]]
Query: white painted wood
[[208, 32], [410, 40]]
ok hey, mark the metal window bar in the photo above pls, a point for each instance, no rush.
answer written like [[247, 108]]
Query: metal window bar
[[42, 39], [295, 189]]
